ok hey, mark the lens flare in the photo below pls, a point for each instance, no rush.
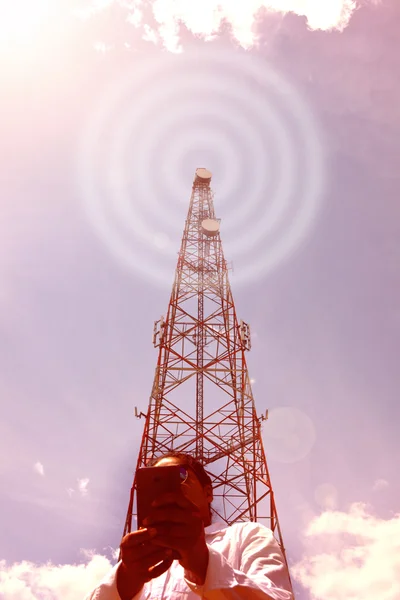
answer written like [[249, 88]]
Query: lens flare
[[289, 435], [227, 111], [22, 20]]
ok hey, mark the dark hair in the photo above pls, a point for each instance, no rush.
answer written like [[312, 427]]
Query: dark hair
[[187, 460]]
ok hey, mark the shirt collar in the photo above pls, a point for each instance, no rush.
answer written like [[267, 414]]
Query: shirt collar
[[215, 527]]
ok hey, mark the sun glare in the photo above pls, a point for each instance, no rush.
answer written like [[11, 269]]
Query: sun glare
[[22, 21]]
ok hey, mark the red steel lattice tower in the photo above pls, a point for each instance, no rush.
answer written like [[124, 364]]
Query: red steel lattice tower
[[202, 401]]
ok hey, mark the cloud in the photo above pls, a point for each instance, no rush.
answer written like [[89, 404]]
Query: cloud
[[205, 19], [102, 47], [150, 35], [380, 484], [27, 581], [82, 485], [38, 468], [92, 8], [135, 17], [351, 555]]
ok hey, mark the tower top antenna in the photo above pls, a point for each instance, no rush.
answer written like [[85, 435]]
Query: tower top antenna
[[203, 175]]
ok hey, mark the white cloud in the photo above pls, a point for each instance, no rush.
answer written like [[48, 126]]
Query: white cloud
[[380, 484], [92, 8], [135, 16], [38, 468], [149, 34], [101, 47], [205, 19], [83, 485], [351, 555], [27, 581]]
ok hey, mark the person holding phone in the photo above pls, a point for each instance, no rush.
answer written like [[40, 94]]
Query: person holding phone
[[179, 553]]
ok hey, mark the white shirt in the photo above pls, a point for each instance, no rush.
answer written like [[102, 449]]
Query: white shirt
[[245, 563]]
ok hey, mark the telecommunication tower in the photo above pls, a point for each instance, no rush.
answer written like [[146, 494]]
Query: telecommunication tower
[[202, 401]]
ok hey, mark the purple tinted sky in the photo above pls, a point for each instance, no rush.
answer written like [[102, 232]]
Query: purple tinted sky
[[75, 326]]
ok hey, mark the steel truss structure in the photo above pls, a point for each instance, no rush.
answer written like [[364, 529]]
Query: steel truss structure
[[202, 401]]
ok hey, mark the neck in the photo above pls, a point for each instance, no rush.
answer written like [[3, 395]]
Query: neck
[[207, 520]]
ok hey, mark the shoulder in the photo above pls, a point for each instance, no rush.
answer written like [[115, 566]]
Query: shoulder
[[251, 527], [249, 530], [257, 540]]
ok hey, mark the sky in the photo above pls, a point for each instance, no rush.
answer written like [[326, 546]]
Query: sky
[[107, 109]]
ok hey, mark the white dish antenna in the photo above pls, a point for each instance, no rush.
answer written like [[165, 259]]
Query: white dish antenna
[[210, 227], [203, 174]]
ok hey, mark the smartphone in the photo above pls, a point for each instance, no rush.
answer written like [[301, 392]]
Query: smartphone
[[151, 482]]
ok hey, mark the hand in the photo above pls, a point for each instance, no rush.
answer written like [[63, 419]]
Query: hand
[[176, 523], [140, 562]]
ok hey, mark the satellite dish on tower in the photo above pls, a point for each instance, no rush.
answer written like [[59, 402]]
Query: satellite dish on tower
[[210, 227], [203, 174]]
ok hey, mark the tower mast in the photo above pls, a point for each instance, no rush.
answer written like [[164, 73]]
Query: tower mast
[[201, 355]]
